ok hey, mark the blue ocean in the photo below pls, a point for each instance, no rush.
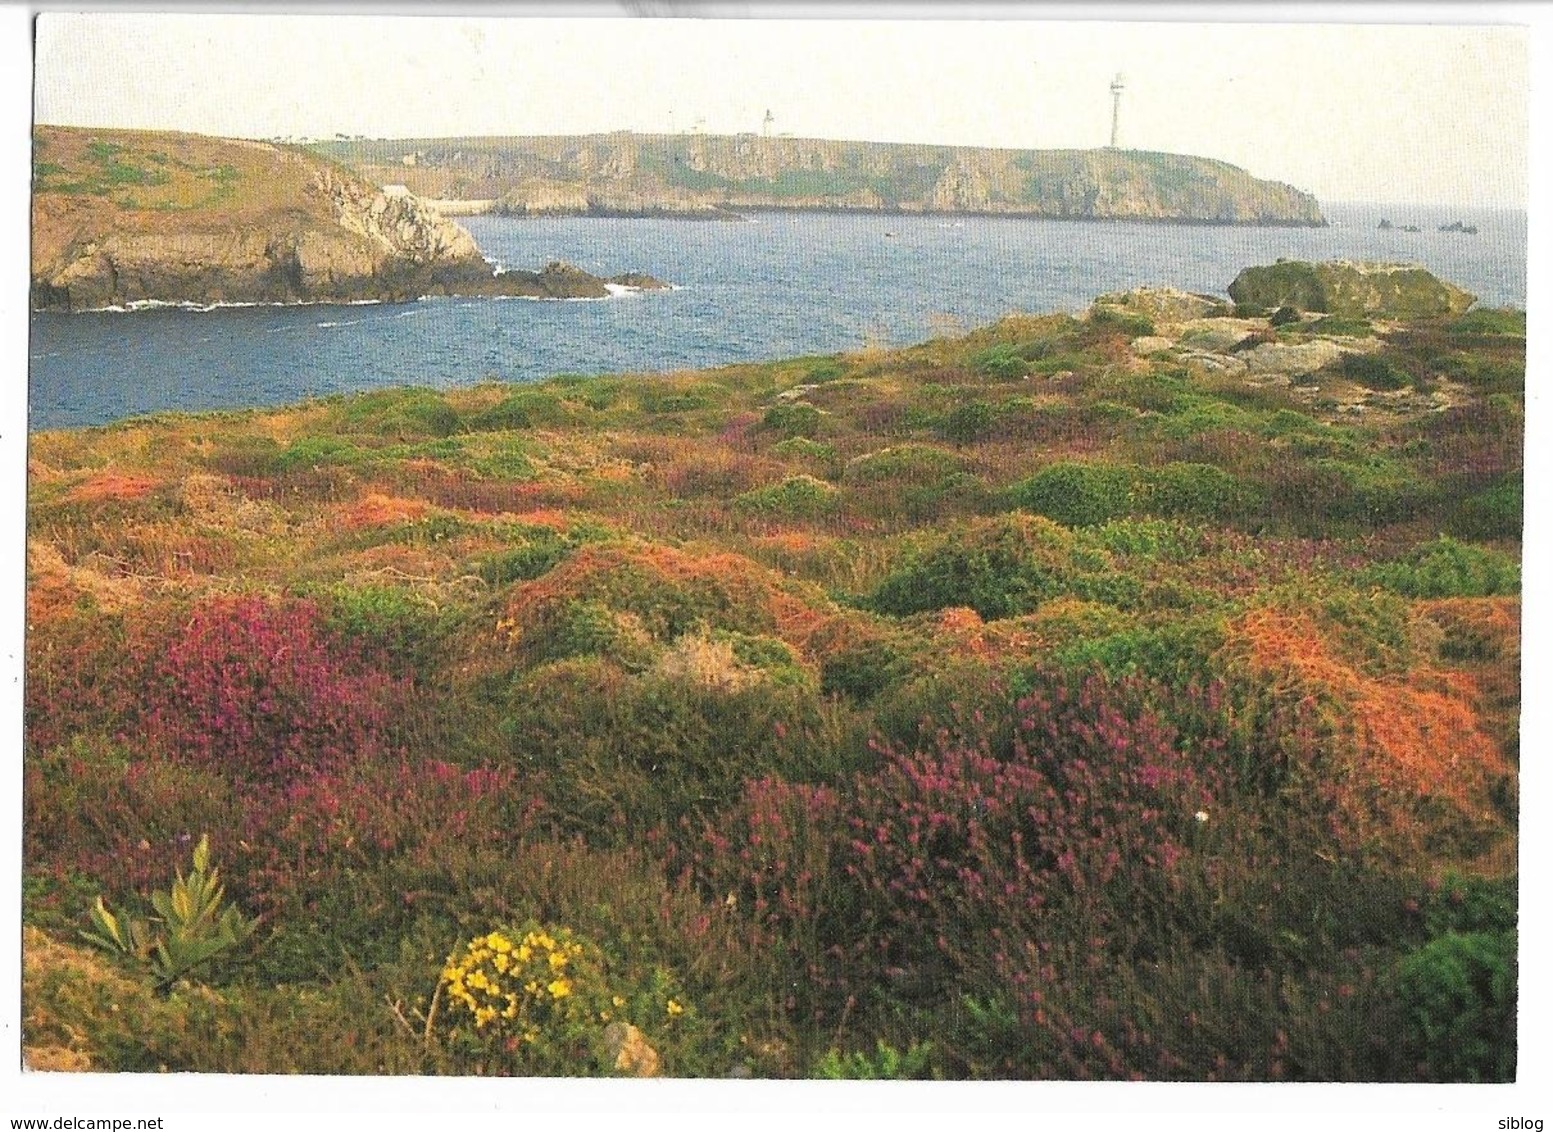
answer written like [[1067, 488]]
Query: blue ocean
[[782, 284]]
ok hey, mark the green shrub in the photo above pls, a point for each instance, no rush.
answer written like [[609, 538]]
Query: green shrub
[[401, 624], [1447, 568], [523, 563], [803, 448], [1458, 996], [1371, 371], [1495, 512], [965, 424], [1198, 491], [1283, 316], [1107, 320], [1077, 495], [319, 452], [404, 413], [797, 497], [1002, 362], [525, 408], [793, 420], [1488, 320]]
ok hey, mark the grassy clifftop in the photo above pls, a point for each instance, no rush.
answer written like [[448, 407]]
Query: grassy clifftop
[[122, 216], [699, 173], [1123, 696]]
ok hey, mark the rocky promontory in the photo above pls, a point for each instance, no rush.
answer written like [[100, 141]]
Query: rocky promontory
[[716, 176], [1350, 289], [128, 217]]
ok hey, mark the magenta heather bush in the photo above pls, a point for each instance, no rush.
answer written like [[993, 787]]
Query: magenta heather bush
[[1072, 812], [259, 689]]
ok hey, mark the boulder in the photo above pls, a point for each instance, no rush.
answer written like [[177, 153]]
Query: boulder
[[1162, 304], [1218, 335], [1291, 358], [1151, 344], [628, 1051], [1352, 289]]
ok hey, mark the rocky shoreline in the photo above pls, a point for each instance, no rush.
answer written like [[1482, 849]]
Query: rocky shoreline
[[129, 219]]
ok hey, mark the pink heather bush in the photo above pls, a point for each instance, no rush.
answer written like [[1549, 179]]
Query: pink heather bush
[[259, 689], [1072, 811]]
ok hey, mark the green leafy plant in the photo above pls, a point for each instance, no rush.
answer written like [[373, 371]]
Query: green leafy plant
[[191, 926], [886, 1063]]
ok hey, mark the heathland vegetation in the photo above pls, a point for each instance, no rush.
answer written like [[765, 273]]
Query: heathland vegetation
[[1126, 696]]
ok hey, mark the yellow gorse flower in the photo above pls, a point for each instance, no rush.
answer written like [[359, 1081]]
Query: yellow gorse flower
[[674, 1009], [509, 991]]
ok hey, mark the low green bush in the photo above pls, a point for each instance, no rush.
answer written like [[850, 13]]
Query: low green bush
[[1458, 996], [794, 419], [797, 497], [1077, 495], [1447, 568]]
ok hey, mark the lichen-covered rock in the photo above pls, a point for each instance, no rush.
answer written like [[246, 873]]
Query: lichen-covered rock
[[1291, 358], [629, 1052], [1353, 289], [1162, 305]]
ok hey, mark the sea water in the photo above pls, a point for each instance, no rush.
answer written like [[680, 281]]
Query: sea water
[[778, 285]]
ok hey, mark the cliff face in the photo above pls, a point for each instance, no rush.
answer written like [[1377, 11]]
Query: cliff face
[[126, 216], [698, 174]]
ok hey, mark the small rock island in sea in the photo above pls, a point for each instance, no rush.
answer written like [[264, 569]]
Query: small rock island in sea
[[122, 217]]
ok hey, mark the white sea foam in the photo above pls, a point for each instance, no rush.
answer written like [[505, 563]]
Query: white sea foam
[[201, 308]]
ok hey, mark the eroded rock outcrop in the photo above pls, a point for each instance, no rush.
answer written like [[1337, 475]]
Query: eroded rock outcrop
[[127, 217], [1352, 289]]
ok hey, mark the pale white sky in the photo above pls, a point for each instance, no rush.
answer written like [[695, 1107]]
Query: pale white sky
[[1395, 113]]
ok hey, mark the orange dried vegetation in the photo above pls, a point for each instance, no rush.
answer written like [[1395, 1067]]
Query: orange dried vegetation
[[376, 510], [1419, 745], [110, 485], [735, 591]]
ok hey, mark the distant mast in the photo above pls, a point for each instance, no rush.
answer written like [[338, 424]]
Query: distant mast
[[765, 127], [1118, 84]]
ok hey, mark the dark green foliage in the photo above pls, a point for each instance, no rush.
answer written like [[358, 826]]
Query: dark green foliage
[[397, 623], [524, 562], [1109, 321], [1283, 316], [967, 423], [1493, 513], [318, 452], [1196, 491], [1003, 362], [799, 497], [1077, 495], [793, 420], [525, 408], [1488, 320], [1371, 371], [404, 414], [1458, 996], [1447, 568]]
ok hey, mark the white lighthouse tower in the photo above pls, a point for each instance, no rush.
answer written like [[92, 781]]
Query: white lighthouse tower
[[1118, 84]]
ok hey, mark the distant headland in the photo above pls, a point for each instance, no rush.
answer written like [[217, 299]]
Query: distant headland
[[720, 176]]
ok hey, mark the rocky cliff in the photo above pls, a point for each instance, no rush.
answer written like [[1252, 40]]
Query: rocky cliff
[[121, 217], [707, 175]]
